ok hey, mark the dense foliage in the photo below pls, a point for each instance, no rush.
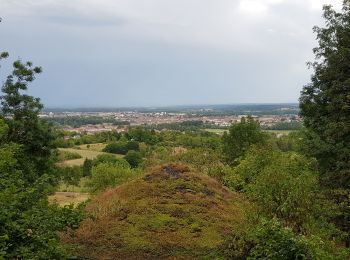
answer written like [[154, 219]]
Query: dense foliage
[[325, 103], [107, 175], [240, 137], [122, 147], [293, 125], [28, 224], [325, 107]]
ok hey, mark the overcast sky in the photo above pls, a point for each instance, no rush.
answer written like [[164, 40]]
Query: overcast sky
[[114, 53]]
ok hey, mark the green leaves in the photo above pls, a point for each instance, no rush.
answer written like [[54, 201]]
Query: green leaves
[[325, 104], [240, 138], [106, 175], [28, 224], [325, 101]]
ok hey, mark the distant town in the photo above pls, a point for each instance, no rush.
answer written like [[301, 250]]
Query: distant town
[[91, 122]]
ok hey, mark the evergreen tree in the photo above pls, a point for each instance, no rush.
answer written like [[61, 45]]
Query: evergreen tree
[[325, 108], [325, 102]]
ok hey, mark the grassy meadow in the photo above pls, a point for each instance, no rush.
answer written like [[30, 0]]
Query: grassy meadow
[[85, 153]]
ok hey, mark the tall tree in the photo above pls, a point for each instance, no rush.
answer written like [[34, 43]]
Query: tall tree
[[28, 224], [20, 112], [325, 102], [240, 138], [325, 107]]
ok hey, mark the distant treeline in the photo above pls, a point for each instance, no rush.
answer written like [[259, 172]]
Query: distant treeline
[[199, 125], [184, 126], [294, 125], [78, 121], [239, 109]]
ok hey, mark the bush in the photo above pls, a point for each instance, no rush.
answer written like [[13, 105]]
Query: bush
[[268, 239], [71, 175], [87, 167], [283, 185], [240, 138], [106, 175], [132, 145], [104, 158], [110, 159], [65, 155], [121, 147], [117, 148], [133, 158]]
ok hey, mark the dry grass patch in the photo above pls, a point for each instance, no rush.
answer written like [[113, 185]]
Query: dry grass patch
[[66, 198]]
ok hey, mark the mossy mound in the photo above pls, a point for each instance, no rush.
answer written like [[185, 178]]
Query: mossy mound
[[170, 213]]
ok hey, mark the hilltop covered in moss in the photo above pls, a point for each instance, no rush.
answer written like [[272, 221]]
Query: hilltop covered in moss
[[169, 213]]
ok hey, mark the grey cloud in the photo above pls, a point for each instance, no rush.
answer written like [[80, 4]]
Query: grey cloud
[[63, 17], [161, 52]]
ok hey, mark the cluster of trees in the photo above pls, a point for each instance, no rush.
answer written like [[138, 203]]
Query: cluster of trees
[[69, 139], [122, 147], [106, 170], [181, 126], [109, 174], [291, 214], [78, 121], [293, 125], [305, 193], [29, 225]]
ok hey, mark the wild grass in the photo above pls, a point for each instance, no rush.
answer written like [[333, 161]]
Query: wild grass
[[67, 198], [98, 147], [217, 131], [280, 132], [89, 154], [81, 188]]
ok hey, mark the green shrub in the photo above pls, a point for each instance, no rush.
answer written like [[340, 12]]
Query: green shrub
[[65, 155], [240, 138], [122, 147], [283, 185], [71, 175], [110, 159], [133, 158], [87, 167], [106, 175], [269, 239], [132, 145]]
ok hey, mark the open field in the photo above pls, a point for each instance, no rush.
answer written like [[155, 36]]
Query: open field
[[280, 132], [84, 153], [217, 131], [92, 147], [66, 198], [89, 154]]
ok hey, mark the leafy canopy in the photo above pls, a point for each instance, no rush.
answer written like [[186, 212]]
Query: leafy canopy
[[240, 138], [325, 102]]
